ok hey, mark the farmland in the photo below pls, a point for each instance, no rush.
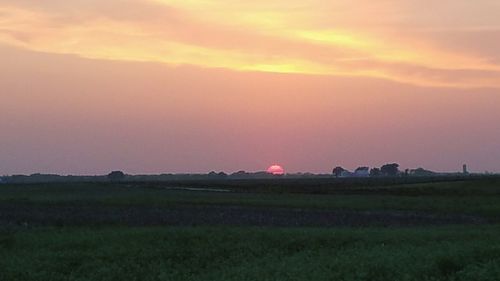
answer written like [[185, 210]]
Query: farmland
[[251, 230]]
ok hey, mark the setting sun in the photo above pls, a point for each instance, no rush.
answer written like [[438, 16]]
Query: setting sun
[[276, 170]]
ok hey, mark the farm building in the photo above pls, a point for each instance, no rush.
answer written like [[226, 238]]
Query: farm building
[[362, 172]]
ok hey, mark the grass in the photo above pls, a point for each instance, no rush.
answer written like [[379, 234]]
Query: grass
[[480, 197], [214, 253]]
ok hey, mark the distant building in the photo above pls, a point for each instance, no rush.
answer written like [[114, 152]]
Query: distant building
[[464, 170], [346, 174], [362, 172]]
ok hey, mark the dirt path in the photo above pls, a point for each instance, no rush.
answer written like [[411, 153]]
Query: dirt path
[[35, 215]]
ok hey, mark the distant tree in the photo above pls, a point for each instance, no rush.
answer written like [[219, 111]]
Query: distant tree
[[390, 169], [239, 175], [214, 174], [421, 172], [337, 171], [116, 176], [375, 172]]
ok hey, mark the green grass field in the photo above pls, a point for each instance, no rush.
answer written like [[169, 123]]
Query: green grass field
[[117, 252], [170, 253]]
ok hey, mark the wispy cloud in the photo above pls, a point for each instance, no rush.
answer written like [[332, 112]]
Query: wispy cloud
[[392, 39]]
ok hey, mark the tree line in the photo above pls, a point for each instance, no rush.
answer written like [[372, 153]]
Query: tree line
[[387, 170]]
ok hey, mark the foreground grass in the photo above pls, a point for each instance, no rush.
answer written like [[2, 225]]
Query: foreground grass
[[440, 253]]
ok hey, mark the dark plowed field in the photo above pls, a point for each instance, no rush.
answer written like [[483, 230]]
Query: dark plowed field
[[61, 215]]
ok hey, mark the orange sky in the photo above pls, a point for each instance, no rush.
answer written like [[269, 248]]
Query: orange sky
[[196, 85]]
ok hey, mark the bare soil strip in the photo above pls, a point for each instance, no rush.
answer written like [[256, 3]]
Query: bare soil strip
[[71, 215]]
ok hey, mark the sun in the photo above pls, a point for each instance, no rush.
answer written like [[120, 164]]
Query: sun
[[276, 170]]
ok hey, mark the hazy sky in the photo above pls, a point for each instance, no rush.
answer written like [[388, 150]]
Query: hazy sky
[[149, 86]]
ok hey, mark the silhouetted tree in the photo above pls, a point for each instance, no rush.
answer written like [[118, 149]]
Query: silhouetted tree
[[239, 175], [390, 169], [213, 174], [375, 172], [337, 171], [421, 172], [116, 176]]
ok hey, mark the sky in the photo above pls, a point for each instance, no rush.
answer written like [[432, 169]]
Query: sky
[[158, 86]]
